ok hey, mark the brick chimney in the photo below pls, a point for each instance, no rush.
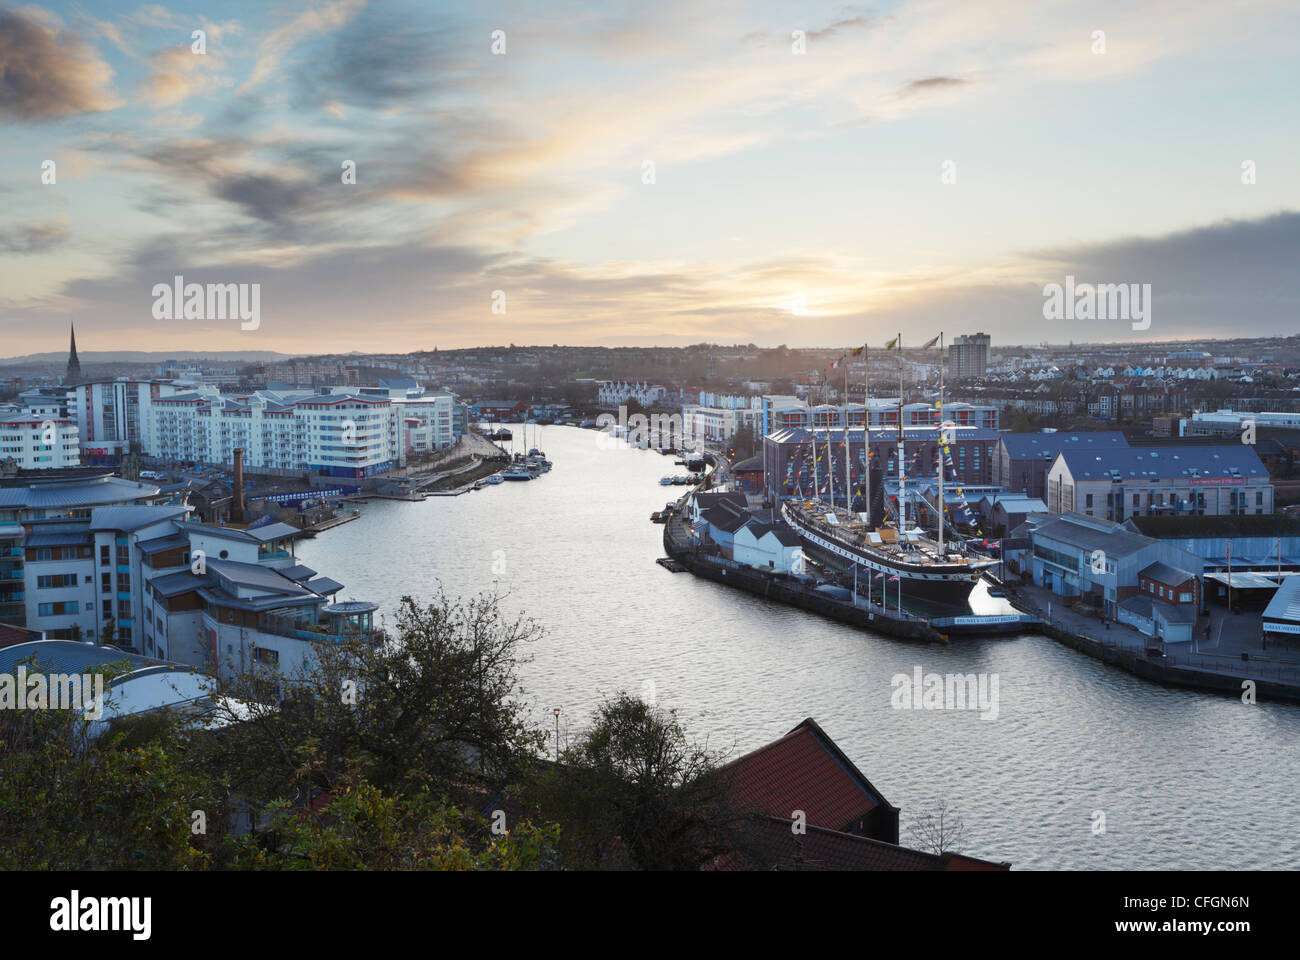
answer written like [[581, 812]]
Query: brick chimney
[[237, 502]]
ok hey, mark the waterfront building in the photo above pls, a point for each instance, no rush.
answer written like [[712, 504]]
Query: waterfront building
[[47, 403], [331, 434], [747, 475], [499, 410], [788, 472], [1117, 483], [1233, 422], [220, 599], [718, 424], [783, 412], [968, 356], [767, 547], [39, 443], [1280, 620], [614, 393], [1265, 544], [427, 421], [1021, 461], [29, 498], [1075, 555], [113, 416], [1003, 512]]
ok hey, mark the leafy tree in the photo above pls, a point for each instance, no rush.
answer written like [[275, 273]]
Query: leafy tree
[[436, 705], [633, 792], [75, 795], [364, 829]]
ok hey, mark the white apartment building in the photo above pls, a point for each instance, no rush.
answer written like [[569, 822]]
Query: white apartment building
[[111, 415], [30, 501], [612, 393], [428, 422], [719, 424], [39, 443], [334, 434], [221, 599]]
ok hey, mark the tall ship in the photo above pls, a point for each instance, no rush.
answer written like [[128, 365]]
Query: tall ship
[[895, 552]]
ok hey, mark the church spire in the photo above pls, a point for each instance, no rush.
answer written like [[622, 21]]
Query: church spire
[[74, 365]]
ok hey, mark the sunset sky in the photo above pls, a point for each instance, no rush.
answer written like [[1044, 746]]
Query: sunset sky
[[779, 178]]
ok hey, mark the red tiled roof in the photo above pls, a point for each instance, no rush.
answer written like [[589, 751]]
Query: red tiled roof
[[804, 770], [14, 635], [778, 847]]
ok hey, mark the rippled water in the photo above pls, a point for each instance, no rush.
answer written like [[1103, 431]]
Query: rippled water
[[1184, 779]]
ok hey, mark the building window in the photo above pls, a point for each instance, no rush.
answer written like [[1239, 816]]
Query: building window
[[105, 583], [104, 555]]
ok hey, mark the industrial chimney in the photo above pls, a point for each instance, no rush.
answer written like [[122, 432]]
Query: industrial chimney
[[237, 503]]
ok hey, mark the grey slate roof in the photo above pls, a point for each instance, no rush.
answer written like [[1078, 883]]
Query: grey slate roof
[[1164, 573], [1285, 605], [1172, 462], [274, 531], [67, 656], [255, 576], [1086, 534], [724, 519], [298, 572], [130, 518], [1045, 446], [76, 493], [158, 544], [174, 584], [324, 586]]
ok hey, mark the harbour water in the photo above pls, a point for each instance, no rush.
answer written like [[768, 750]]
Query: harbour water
[[1183, 779]]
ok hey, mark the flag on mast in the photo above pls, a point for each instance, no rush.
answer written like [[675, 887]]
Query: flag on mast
[[892, 343], [932, 342]]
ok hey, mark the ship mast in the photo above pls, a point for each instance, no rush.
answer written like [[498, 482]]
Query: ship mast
[[866, 440], [902, 469], [812, 425], [830, 457], [848, 475], [942, 505]]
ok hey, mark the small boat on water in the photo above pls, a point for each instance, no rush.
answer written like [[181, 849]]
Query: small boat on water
[[495, 479], [516, 471], [665, 481]]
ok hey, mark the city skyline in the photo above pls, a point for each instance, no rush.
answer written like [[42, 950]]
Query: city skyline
[[797, 197]]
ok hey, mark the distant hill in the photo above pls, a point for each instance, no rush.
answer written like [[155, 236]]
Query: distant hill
[[143, 356]]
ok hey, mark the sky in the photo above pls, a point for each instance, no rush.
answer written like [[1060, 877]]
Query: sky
[[800, 173]]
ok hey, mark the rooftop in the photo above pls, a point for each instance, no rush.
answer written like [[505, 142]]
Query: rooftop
[[1190, 461], [1045, 446], [805, 770], [1087, 533]]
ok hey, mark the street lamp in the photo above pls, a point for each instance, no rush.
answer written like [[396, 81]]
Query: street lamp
[[556, 711]]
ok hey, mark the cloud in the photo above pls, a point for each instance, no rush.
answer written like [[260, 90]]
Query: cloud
[[49, 72], [930, 83], [176, 73], [281, 40], [33, 238]]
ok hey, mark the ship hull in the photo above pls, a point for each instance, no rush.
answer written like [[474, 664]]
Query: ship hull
[[944, 583]]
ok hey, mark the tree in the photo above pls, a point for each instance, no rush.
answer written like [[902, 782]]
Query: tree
[[361, 828], [940, 831], [435, 706], [634, 792], [77, 796]]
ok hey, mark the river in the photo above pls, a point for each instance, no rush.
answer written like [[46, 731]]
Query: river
[[1182, 779]]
